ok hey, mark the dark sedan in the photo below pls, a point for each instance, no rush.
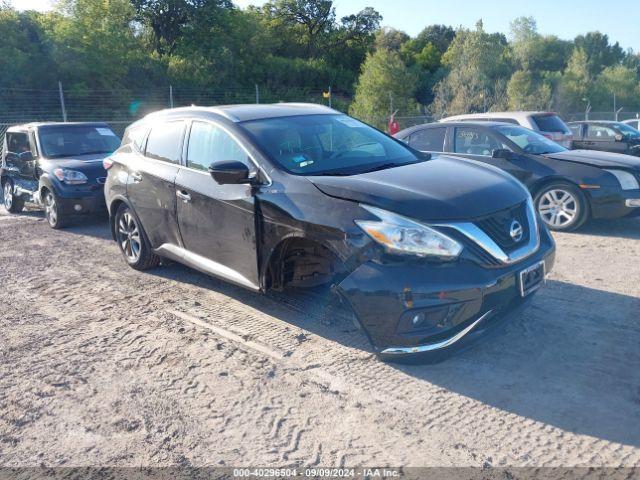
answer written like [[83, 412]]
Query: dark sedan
[[616, 137], [568, 186], [425, 251]]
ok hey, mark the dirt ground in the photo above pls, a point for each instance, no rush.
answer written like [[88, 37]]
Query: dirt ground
[[103, 365]]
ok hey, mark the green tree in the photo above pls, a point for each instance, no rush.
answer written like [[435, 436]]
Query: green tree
[[575, 84], [390, 39], [479, 69], [621, 82], [385, 83], [600, 53], [527, 93]]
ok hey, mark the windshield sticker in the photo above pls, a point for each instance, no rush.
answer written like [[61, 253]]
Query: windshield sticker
[[105, 132], [304, 164]]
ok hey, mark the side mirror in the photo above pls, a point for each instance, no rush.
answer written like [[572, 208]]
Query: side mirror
[[26, 157], [619, 137], [502, 153], [230, 172]]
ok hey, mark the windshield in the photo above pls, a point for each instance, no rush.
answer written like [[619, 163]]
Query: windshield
[[627, 130], [530, 141], [75, 140], [328, 145]]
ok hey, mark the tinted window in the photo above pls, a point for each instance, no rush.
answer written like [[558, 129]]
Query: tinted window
[[472, 141], [627, 130], [600, 132], [428, 139], [550, 123], [327, 145], [18, 142], [576, 130], [75, 140], [165, 141], [209, 143], [135, 136]]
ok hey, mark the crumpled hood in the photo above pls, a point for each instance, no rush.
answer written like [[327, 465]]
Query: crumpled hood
[[443, 188], [90, 165], [598, 159]]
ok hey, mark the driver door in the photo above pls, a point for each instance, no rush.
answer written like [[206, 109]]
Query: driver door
[[20, 160], [217, 222], [478, 144]]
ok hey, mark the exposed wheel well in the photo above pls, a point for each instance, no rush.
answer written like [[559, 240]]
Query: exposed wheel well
[[300, 262], [115, 205]]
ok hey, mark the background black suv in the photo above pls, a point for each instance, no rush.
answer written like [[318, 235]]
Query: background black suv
[[616, 137], [58, 166], [423, 250]]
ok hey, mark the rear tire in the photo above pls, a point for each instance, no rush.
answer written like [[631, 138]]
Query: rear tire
[[132, 240], [12, 203], [562, 206], [55, 219]]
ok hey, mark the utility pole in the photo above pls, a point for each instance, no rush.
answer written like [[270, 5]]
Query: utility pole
[[64, 110], [170, 96]]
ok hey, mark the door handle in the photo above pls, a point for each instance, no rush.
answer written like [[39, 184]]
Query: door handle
[[136, 177], [184, 196]]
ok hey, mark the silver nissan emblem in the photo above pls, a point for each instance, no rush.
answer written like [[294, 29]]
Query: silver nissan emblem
[[516, 231]]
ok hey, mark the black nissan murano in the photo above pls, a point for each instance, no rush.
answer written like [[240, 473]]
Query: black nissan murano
[[427, 252]]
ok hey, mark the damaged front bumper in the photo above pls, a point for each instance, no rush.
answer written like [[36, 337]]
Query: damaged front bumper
[[421, 308]]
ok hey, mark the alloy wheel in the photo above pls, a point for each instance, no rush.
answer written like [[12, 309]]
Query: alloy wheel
[[129, 237], [51, 209], [8, 196], [558, 208]]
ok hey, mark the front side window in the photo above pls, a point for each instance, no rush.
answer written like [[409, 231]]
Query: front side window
[[209, 143], [327, 145], [58, 141], [471, 141], [18, 142], [428, 139], [165, 141], [530, 141], [627, 130], [600, 132]]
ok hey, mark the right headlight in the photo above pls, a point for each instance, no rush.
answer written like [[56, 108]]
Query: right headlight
[[400, 234], [627, 181]]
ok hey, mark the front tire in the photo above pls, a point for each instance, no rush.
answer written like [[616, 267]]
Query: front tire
[[12, 203], [562, 206], [55, 218], [132, 240]]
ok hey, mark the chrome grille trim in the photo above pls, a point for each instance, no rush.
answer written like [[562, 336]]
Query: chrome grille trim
[[478, 236]]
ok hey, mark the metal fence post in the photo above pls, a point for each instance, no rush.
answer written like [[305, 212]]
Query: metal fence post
[[64, 110], [257, 94], [170, 96]]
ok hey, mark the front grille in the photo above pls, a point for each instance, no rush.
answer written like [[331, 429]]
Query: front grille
[[498, 227]]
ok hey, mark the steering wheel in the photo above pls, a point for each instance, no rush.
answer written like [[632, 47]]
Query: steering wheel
[[351, 150]]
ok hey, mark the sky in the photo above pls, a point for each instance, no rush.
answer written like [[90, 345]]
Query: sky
[[564, 18]]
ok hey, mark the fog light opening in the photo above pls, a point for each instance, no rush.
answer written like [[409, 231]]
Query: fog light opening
[[77, 207]]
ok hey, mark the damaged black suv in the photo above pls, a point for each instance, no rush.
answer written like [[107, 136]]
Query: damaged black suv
[[425, 251]]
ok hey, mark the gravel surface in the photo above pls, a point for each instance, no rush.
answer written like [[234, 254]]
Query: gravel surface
[[103, 365]]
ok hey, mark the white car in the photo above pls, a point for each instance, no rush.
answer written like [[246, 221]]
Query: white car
[[548, 124]]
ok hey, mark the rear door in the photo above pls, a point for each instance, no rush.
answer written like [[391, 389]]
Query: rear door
[[217, 222], [151, 182], [603, 138], [479, 143]]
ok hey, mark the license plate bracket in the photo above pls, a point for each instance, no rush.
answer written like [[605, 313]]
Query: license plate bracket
[[532, 278]]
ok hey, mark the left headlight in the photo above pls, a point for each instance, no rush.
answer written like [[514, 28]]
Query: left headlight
[[70, 177], [627, 181], [402, 235]]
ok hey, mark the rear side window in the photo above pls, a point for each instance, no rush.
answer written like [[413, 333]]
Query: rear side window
[[135, 136], [428, 139], [165, 142], [209, 143], [576, 130], [550, 123]]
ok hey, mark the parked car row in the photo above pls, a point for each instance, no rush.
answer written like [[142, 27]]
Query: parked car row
[[429, 238]]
